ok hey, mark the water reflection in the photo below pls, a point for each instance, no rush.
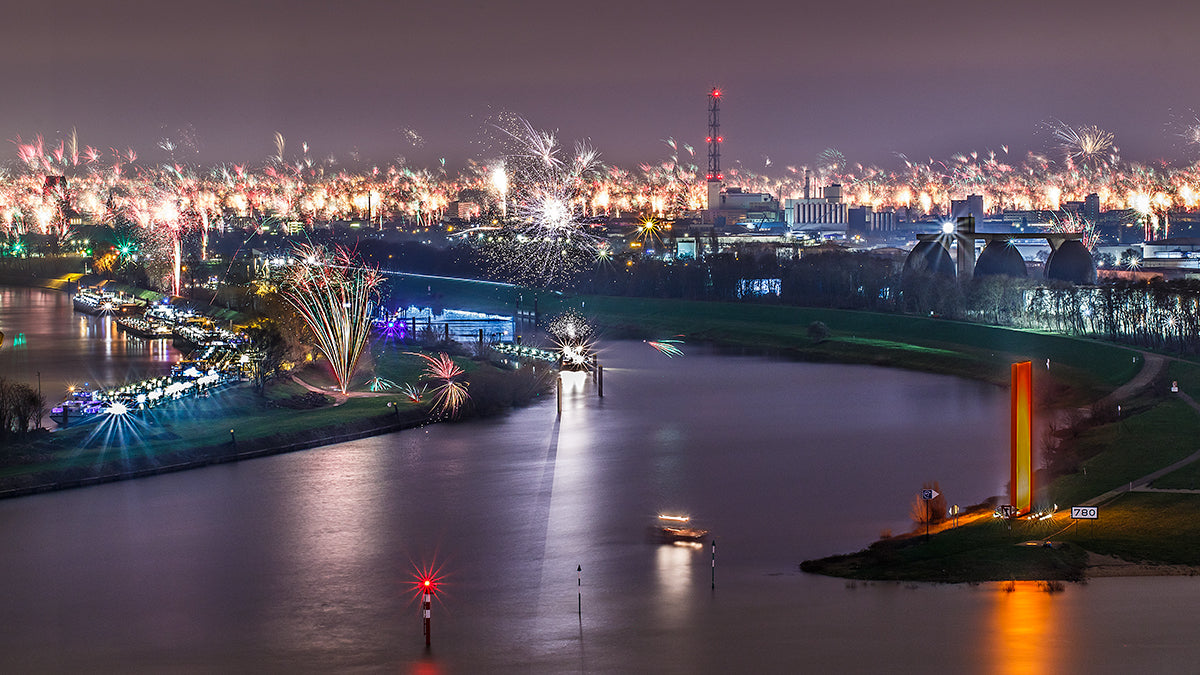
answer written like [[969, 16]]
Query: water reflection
[[1024, 630], [65, 346], [673, 576], [330, 547]]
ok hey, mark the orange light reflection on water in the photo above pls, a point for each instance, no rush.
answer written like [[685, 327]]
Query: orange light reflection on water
[[1024, 635]]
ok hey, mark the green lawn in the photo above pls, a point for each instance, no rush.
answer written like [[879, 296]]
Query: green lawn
[[986, 550], [1139, 444], [1187, 478], [1143, 526]]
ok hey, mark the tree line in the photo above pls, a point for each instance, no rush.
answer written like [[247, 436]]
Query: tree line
[[21, 408], [1157, 314]]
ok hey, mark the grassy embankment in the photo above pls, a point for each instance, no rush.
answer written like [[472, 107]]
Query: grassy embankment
[[197, 431], [287, 416], [1155, 429], [194, 432]]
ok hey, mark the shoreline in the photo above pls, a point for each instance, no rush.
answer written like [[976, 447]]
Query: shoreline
[[228, 452], [1107, 566], [795, 348], [183, 456]]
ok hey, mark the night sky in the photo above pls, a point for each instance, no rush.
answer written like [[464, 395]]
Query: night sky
[[871, 78]]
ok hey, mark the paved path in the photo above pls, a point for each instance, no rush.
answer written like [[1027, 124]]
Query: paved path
[[1152, 367], [1140, 484]]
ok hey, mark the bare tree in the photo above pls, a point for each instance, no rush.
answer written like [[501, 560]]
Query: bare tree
[[929, 511]]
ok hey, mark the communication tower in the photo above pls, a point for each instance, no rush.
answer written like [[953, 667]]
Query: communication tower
[[714, 141]]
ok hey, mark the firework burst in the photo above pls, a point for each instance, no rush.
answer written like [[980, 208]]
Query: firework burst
[[334, 294], [573, 336], [450, 393], [1191, 133], [413, 393], [667, 347], [1088, 143], [1073, 223], [547, 239], [380, 384], [832, 160]]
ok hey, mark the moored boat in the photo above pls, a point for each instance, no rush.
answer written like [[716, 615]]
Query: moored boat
[[90, 301], [141, 327], [83, 406]]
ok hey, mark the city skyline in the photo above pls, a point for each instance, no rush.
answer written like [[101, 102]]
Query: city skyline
[[421, 82]]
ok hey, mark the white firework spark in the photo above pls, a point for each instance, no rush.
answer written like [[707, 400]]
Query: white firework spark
[[547, 238], [1087, 143]]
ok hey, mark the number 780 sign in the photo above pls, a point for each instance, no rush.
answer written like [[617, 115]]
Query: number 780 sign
[[1085, 512]]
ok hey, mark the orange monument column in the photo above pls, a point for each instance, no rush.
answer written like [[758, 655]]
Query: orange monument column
[[1021, 487]]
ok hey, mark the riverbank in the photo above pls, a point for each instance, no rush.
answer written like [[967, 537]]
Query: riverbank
[[238, 423], [51, 479], [1081, 371], [242, 424], [1138, 469]]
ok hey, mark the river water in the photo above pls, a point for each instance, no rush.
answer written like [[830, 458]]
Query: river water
[[43, 334], [306, 562]]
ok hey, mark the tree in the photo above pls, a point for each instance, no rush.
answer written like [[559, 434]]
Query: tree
[[818, 331], [929, 511], [20, 407]]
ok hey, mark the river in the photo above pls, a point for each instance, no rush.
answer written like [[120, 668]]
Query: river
[[306, 562]]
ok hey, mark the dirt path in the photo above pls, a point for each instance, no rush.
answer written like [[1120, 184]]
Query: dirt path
[[338, 397]]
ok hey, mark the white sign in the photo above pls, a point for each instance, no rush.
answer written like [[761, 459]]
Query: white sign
[[1085, 512], [929, 494]]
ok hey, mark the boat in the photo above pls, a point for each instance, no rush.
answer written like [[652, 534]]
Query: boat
[[96, 301], [202, 334], [673, 528], [90, 301], [82, 407], [141, 327]]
